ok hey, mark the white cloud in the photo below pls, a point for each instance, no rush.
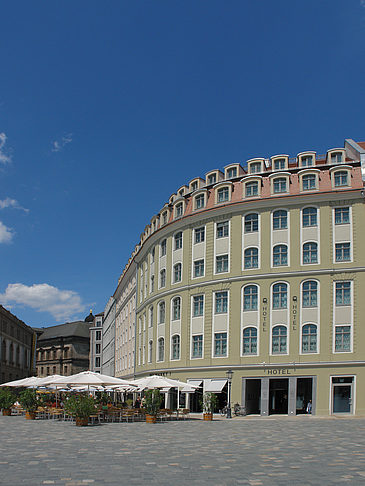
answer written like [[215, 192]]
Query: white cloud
[[11, 203], [4, 159], [58, 145], [6, 234], [62, 304]]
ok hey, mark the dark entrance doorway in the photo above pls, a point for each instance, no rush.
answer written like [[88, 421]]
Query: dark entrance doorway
[[195, 400], [253, 396], [278, 396], [304, 394]]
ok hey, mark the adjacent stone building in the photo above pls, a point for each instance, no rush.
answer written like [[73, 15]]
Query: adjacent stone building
[[64, 349], [17, 347]]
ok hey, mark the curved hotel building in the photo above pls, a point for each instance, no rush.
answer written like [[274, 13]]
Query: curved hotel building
[[258, 269]]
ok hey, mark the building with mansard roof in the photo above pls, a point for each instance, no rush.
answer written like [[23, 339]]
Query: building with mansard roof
[[258, 269]]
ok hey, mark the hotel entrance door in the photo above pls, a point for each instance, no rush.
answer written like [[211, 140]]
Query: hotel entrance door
[[278, 396]]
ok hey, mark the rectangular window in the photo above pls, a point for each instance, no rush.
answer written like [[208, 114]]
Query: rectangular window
[[342, 339], [252, 189], [280, 185], [222, 229], [255, 167], [220, 344], [199, 201], [341, 178], [336, 158], [178, 240], [97, 349], [342, 215], [163, 248], [343, 293], [199, 268], [343, 252], [197, 346], [309, 182], [221, 264], [212, 178], [231, 172], [199, 235], [198, 305], [162, 278], [223, 194], [221, 302], [279, 164], [98, 335], [307, 161], [97, 362], [179, 210]]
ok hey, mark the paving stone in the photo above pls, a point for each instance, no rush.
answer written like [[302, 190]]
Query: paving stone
[[278, 451]]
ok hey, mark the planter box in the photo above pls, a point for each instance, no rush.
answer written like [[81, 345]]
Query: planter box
[[150, 419], [30, 415], [7, 411], [81, 422], [208, 417]]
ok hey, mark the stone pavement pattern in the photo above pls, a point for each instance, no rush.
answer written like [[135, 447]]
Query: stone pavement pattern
[[304, 451]]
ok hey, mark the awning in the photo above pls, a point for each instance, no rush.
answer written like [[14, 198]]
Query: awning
[[215, 386], [189, 389], [195, 382]]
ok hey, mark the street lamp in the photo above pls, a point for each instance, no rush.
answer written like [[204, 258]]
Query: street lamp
[[229, 374]]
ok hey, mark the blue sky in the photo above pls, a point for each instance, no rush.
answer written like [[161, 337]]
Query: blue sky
[[107, 107]]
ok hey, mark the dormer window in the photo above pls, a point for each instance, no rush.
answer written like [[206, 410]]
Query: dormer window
[[309, 182], [255, 167], [164, 217], [232, 172], [194, 185], [307, 161], [179, 210], [223, 194], [200, 201], [336, 158], [251, 189], [341, 178], [280, 185], [181, 192], [212, 178], [279, 164]]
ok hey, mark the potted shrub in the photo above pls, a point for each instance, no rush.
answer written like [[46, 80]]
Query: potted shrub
[[7, 400], [81, 407], [209, 404], [28, 400], [151, 403]]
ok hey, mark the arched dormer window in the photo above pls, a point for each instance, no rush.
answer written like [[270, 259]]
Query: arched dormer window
[[279, 183], [336, 156], [233, 170], [223, 193], [341, 177], [306, 159], [279, 162], [255, 166], [251, 186], [308, 179], [200, 200], [179, 208]]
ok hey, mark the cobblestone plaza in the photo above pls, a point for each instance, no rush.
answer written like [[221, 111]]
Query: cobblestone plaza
[[303, 451]]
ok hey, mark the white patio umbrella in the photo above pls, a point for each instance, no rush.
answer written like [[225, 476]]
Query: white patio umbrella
[[88, 378], [31, 381], [161, 382]]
